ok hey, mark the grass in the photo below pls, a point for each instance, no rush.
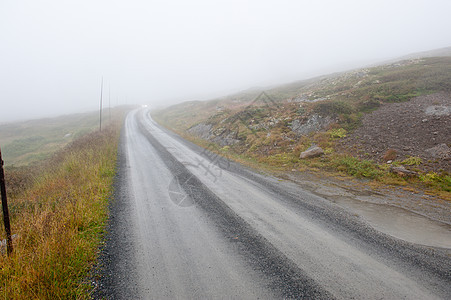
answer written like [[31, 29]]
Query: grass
[[58, 210], [26, 142]]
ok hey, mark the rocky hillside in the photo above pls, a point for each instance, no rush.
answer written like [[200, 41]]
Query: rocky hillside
[[397, 113], [419, 128]]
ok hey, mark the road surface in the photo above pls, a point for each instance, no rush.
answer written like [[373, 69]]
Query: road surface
[[188, 224]]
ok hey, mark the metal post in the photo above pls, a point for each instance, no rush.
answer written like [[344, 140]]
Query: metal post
[[9, 241]]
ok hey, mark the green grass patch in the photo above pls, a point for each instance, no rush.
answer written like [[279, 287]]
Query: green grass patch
[[356, 167], [432, 179], [412, 161]]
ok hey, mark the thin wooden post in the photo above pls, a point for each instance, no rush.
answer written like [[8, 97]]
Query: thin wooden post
[[9, 241], [109, 100], [101, 94]]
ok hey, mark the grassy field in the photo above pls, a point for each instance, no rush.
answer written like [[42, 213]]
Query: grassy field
[[261, 128], [29, 141], [58, 210]]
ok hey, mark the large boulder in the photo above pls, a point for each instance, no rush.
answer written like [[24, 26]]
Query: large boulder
[[312, 152]]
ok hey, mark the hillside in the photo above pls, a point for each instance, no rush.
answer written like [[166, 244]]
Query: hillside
[[362, 119], [31, 141]]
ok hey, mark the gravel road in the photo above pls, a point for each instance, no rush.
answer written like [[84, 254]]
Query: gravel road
[[188, 224]]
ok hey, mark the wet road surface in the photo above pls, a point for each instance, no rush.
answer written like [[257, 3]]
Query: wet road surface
[[188, 224]]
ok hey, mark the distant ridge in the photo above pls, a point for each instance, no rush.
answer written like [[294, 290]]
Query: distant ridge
[[431, 53]]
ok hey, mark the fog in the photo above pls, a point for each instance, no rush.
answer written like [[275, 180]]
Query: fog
[[53, 54]]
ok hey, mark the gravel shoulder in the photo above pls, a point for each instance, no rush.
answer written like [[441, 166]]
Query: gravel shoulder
[[331, 188]]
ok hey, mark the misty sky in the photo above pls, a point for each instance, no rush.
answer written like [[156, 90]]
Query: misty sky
[[53, 53]]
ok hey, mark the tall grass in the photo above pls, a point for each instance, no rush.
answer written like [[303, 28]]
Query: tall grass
[[59, 219]]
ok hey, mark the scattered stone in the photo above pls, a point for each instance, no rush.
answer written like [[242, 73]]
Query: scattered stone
[[3, 243], [439, 151], [312, 152], [401, 171], [438, 110], [414, 129]]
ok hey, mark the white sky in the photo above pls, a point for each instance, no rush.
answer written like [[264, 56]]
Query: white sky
[[53, 53]]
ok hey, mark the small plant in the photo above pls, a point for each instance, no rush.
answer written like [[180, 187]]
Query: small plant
[[300, 111], [412, 161], [390, 155], [431, 176], [338, 133]]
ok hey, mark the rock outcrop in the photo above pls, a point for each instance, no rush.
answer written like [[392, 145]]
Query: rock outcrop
[[314, 123]]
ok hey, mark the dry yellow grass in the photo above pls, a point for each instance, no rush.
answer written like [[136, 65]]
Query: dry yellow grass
[[59, 220]]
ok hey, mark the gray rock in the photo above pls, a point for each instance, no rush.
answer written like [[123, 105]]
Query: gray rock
[[401, 171], [312, 152], [314, 123], [438, 110], [220, 136], [440, 151], [201, 130], [3, 243]]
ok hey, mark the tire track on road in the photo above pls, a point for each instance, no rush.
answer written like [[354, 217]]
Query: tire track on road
[[282, 275]]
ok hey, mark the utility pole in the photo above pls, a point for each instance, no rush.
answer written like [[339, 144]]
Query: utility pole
[[9, 240], [109, 100], [101, 94]]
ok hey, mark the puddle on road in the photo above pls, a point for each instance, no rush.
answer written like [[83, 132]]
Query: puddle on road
[[400, 223]]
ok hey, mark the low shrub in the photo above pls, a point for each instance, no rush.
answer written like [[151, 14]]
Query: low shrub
[[412, 161], [356, 167], [333, 108], [391, 154]]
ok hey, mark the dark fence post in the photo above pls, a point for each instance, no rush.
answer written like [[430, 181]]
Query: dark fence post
[[9, 242]]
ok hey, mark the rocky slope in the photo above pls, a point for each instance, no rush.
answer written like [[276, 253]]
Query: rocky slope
[[420, 128], [362, 119]]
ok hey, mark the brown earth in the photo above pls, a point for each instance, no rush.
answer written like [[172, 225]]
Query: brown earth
[[410, 129]]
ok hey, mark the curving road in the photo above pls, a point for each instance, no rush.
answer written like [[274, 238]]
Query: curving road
[[188, 224]]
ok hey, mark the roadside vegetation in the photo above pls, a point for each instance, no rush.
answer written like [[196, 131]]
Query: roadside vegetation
[[58, 210], [271, 129]]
